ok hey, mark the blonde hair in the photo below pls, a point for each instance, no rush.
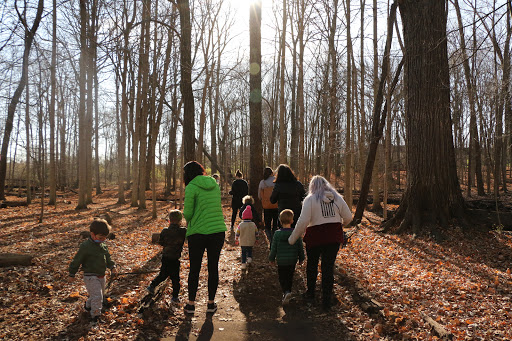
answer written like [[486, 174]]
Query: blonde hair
[[175, 216], [248, 199], [286, 217]]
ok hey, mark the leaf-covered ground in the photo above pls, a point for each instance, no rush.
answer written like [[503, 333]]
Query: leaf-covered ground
[[386, 285]]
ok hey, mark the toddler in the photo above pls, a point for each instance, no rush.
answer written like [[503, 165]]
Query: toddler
[[172, 239], [94, 258], [246, 235], [286, 254]]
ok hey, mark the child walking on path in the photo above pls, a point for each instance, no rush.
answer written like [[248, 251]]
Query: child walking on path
[[94, 258], [172, 239], [246, 234], [247, 201], [286, 254]]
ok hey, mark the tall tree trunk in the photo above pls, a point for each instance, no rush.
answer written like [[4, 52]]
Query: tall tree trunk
[[82, 115], [301, 9], [51, 111], [186, 80], [474, 140], [378, 118], [282, 105], [348, 133], [256, 133], [433, 195], [29, 38], [28, 139]]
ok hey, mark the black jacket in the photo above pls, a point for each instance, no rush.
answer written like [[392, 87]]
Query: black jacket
[[239, 189], [288, 195], [172, 239]]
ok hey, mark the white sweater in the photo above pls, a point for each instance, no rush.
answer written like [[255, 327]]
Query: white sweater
[[331, 209]]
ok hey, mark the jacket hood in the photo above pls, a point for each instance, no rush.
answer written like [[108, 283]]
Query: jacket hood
[[328, 196], [205, 182]]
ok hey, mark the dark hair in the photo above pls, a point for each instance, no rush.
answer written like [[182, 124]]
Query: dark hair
[[285, 174], [175, 216], [191, 170], [286, 216], [100, 226], [267, 172], [239, 174]]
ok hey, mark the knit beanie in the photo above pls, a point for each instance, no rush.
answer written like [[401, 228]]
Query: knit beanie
[[247, 214]]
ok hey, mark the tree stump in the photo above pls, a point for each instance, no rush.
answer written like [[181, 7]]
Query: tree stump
[[155, 237], [9, 259]]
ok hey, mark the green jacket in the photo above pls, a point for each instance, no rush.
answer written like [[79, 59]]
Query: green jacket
[[203, 208], [285, 253], [94, 258]]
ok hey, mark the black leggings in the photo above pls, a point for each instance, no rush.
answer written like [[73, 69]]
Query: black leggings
[[328, 254], [197, 243]]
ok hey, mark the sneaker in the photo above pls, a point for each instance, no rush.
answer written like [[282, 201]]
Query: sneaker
[[150, 289], [211, 308], [189, 309], [244, 266], [95, 319], [249, 260], [286, 297], [86, 307]]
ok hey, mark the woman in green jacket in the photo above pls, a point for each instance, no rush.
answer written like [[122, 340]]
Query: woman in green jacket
[[205, 231]]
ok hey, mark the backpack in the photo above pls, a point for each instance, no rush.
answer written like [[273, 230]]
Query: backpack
[[265, 199]]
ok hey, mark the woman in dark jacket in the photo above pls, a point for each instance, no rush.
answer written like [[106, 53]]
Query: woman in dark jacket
[[239, 189], [288, 192]]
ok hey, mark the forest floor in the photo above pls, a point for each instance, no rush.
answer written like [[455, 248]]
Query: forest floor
[[387, 286]]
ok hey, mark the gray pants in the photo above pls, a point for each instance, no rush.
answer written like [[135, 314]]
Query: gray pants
[[95, 287]]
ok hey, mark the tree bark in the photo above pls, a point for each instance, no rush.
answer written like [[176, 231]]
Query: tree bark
[[186, 80], [51, 111], [433, 196], [256, 141], [379, 119], [29, 38]]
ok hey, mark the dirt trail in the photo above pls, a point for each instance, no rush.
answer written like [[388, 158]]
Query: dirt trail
[[250, 307]]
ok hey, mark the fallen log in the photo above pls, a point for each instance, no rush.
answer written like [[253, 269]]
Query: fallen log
[[10, 259], [438, 328], [6, 204]]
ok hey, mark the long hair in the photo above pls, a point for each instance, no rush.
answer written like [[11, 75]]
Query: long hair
[[267, 172], [285, 174], [319, 185], [191, 170]]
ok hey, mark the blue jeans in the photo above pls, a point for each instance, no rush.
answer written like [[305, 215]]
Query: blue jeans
[[246, 253]]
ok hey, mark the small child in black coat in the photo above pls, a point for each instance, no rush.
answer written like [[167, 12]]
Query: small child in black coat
[[172, 239]]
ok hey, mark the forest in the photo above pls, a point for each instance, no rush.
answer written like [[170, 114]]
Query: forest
[[405, 106]]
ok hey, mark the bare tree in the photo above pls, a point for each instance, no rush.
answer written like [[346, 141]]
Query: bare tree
[[29, 38], [433, 195]]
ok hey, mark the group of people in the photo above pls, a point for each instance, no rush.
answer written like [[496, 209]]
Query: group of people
[[288, 215]]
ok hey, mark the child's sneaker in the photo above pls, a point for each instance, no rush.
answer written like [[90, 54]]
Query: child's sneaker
[[249, 260], [244, 266], [211, 308], [189, 309], [150, 289], [95, 319], [286, 297]]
